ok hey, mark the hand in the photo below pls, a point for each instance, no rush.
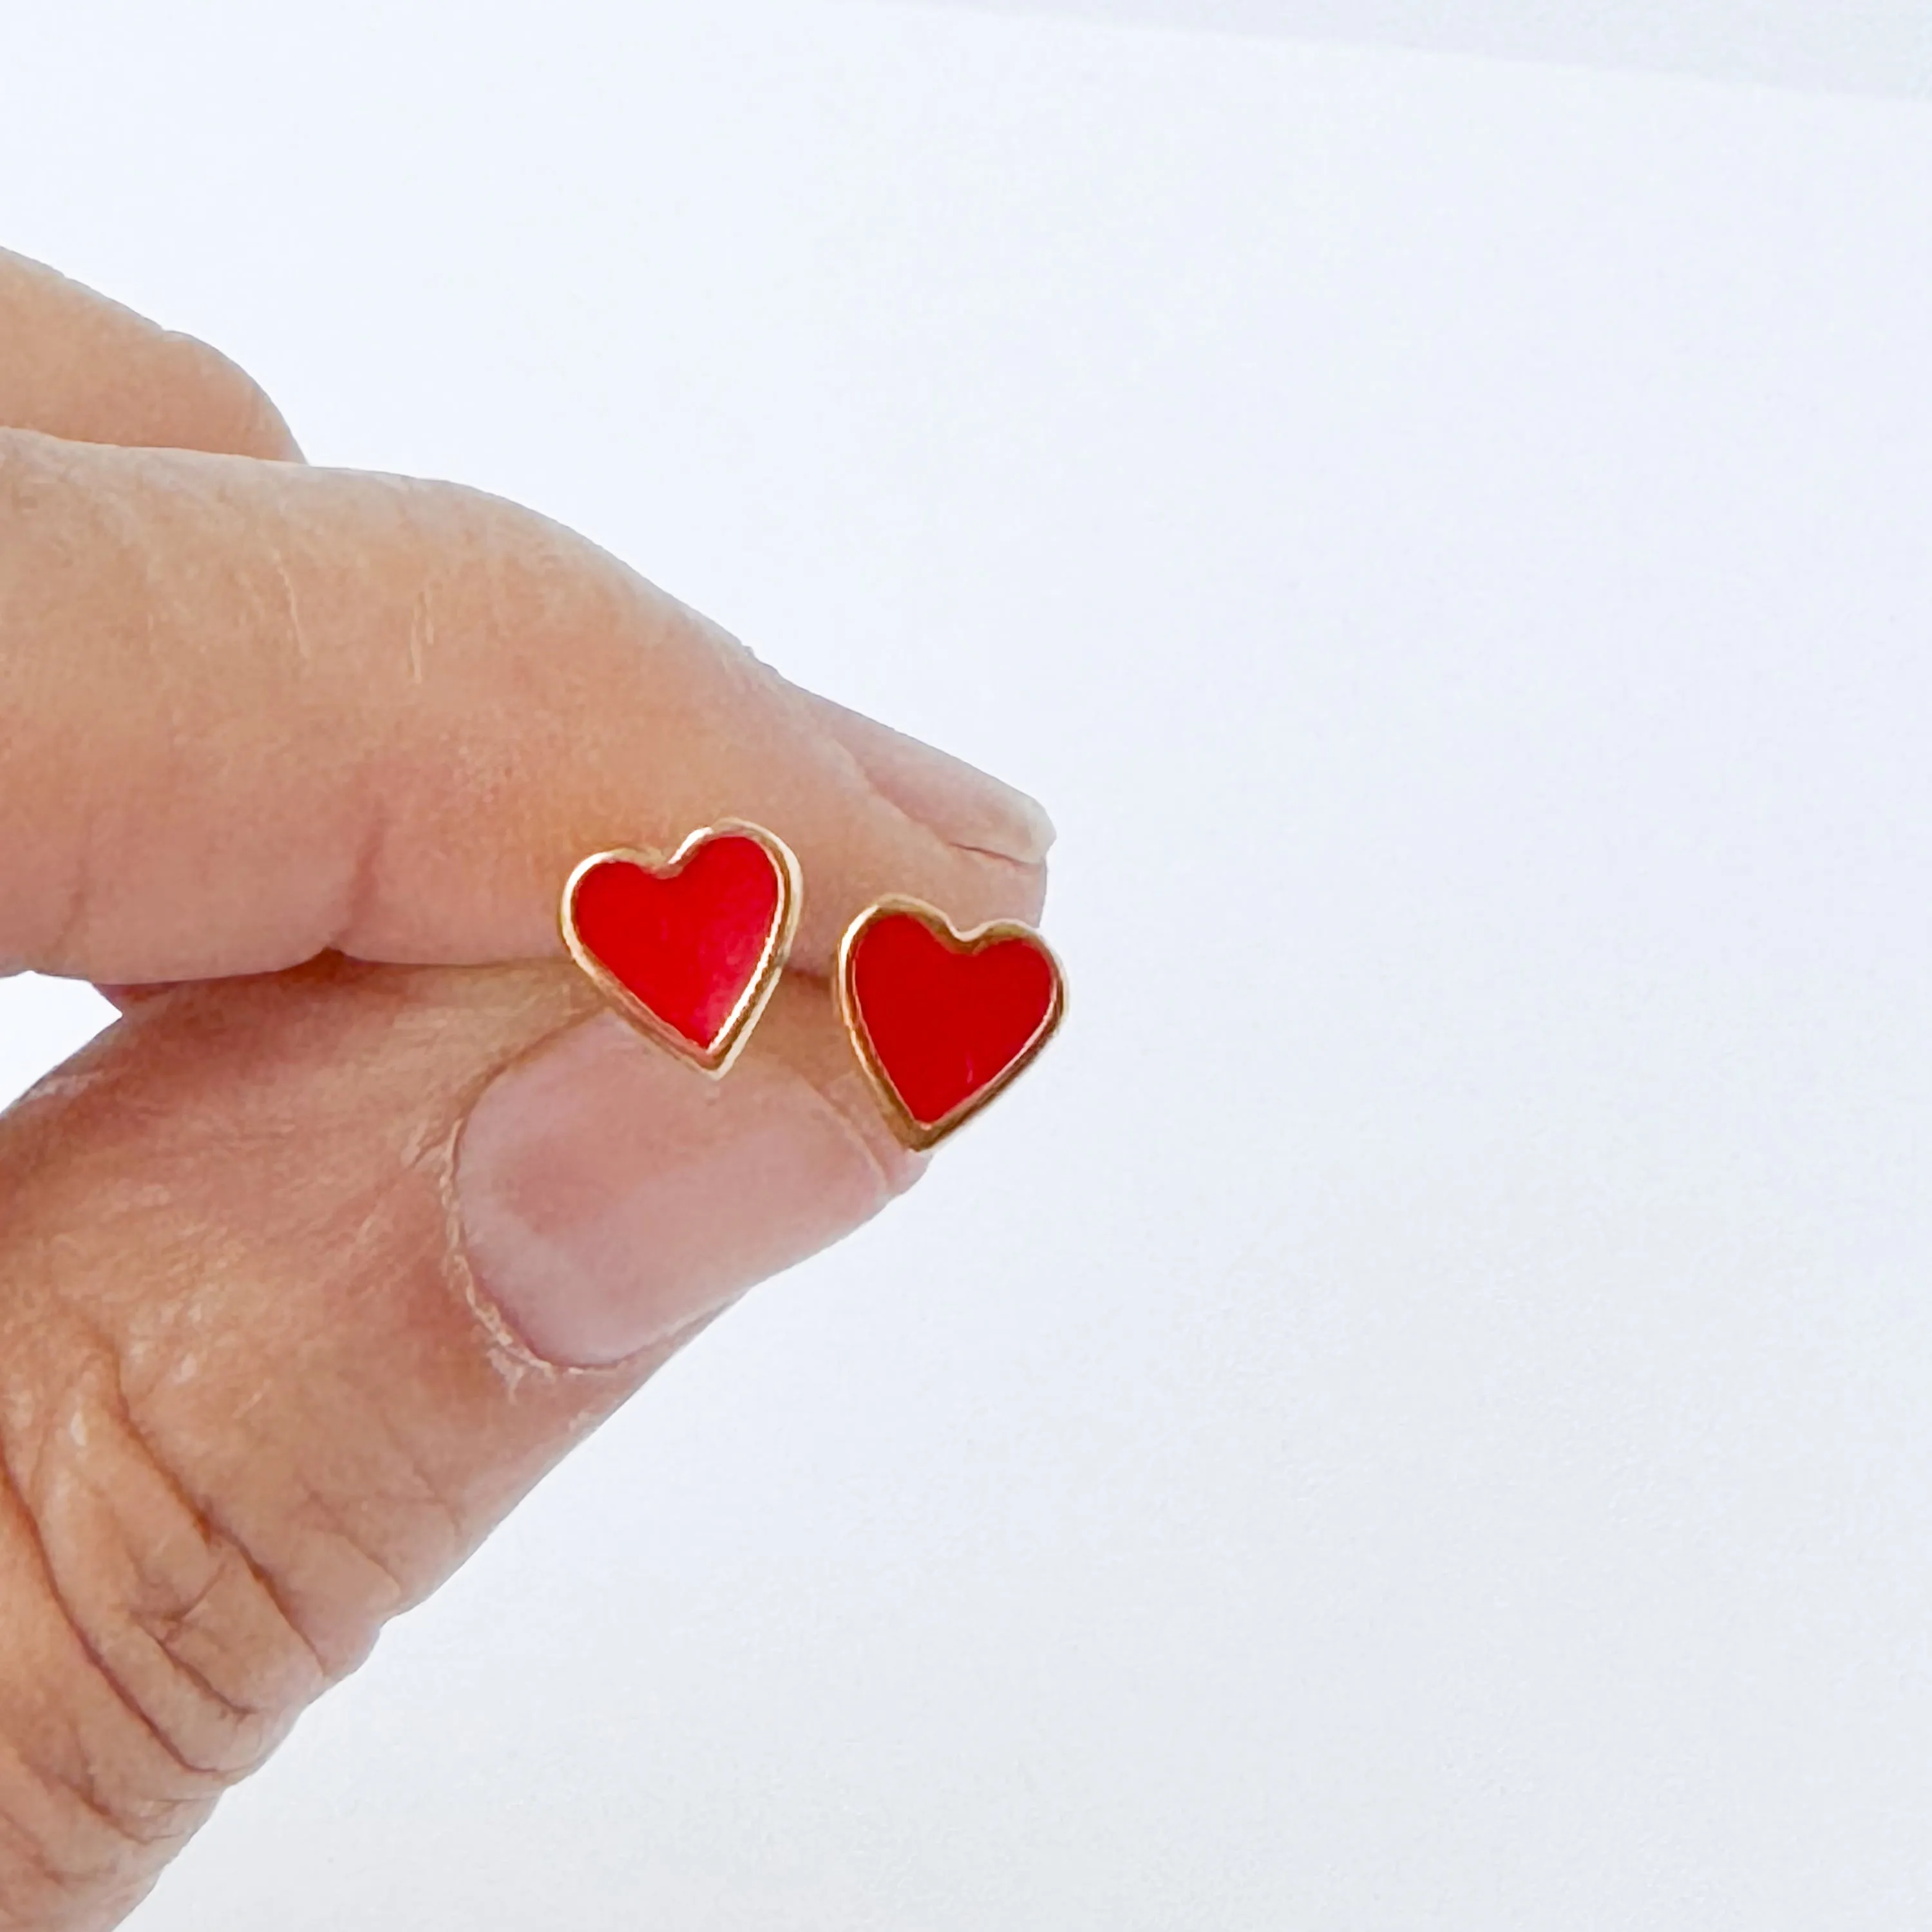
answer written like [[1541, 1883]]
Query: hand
[[364, 1211]]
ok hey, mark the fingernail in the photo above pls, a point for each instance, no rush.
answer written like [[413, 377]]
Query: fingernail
[[613, 1199], [965, 806]]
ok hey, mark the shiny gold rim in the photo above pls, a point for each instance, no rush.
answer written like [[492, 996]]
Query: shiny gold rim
[[912, 1132], [716, 1059]]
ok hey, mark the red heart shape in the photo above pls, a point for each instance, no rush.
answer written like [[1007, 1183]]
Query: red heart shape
[[942, 1020], [688, 947]]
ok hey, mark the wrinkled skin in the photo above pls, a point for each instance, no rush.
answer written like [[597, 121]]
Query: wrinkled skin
[[293, 761]]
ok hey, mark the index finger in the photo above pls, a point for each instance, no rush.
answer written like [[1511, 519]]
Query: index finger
[[249, 712]]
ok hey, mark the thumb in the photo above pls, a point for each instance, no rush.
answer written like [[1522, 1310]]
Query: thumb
[[310, 1277]]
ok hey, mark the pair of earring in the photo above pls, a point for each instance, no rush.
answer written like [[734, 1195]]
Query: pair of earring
[[689, 949]]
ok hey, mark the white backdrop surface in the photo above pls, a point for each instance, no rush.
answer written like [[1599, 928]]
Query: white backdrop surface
[[1417, 1413], [1873, 46]]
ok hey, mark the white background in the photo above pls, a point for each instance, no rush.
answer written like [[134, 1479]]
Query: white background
[[1873, 46], [1419, 1412]]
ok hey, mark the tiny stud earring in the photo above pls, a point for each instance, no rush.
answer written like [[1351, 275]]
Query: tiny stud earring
[[943, 1021], [688, 948]]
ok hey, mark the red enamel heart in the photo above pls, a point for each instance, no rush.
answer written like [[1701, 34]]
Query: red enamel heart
[[688, 947], [942, 1020]]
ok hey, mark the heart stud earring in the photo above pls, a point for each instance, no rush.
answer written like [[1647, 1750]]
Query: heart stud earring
[[943, 1021], [688, 948]]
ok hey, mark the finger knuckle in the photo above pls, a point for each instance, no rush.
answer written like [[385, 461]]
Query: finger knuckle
[[150, 1665]]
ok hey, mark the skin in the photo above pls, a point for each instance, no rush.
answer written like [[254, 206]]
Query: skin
[[294, 762]]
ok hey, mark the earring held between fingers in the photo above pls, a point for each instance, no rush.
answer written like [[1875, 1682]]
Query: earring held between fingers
[[944, 1021], [689, 947]]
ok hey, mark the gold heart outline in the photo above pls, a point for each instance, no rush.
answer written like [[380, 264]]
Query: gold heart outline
[[911, 1132], [729, 1042]]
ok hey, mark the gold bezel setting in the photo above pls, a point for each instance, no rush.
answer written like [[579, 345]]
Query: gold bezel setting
[[716, 1059], [911, 1132]]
